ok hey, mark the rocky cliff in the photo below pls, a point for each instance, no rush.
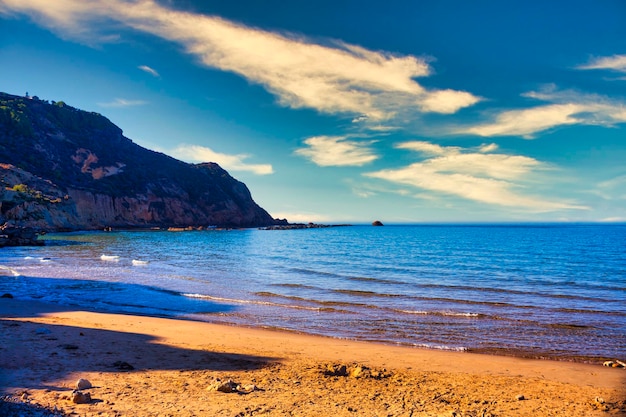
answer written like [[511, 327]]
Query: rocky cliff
[[66, 169]]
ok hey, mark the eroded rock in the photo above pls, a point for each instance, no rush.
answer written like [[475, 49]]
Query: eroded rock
[[83, 384], [79, 397]]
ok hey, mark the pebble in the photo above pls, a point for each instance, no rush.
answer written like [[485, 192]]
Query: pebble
[[83, 384], [520, 397], [615, 364], [230, 386], [79, 397], [42, 330], [123, 366]]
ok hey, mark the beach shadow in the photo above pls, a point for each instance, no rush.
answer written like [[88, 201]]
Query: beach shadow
[[38, 354], [116, 297]]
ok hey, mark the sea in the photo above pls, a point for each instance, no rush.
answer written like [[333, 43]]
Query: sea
[[555, 291]]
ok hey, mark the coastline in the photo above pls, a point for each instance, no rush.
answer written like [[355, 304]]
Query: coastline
[[47, 348]]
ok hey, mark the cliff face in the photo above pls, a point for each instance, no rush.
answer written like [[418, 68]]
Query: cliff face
[[66, 169]]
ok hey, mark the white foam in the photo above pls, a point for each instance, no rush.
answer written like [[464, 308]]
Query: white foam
[[137, 262], [439, 313], [110, 258], [256, 302], [11, 270], [441, 347]]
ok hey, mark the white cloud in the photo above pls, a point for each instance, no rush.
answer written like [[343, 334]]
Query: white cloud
[[122, 102], [473, 174], [566, 108], [334, 78], [337, 151], [446, 101], [299, 217], [149, 70], [613, 189], [614, 62], [527, 122], [615, 219], [195, 153]]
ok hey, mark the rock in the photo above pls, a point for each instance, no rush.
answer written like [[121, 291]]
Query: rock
[[6, 295], [68, 346], [42, 330], [520, 397], [223, 386], [18, 236], [246, 389], [76, 170], [79, 397], [377, 223], [336, 370], [83, 384], [614, 364], [232, 387], [123, 366]]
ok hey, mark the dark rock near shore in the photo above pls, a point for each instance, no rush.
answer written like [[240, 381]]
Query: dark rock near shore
[[18, 236], [377, 223]]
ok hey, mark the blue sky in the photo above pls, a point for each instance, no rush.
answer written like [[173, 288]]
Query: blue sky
[[351, 111]]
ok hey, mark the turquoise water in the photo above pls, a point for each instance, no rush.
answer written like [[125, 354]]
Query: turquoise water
[[555, 291]]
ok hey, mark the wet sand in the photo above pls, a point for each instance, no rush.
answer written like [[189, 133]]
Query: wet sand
[[147, 366]]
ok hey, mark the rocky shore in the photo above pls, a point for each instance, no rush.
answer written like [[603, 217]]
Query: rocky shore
[[19, 236]]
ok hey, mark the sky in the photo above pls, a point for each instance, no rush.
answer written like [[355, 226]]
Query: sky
[[340, 111]]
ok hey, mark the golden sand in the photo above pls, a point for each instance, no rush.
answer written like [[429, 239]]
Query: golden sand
[[178, 364]]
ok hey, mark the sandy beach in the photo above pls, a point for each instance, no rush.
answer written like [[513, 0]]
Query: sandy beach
[[147, 366]]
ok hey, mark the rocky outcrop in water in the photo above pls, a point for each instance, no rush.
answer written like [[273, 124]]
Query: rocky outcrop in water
[[66, 169]]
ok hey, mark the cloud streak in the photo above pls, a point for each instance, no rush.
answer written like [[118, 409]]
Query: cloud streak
[[564, 108], [337, 151], [473, 174], [195, 153], [614, 63], [332, 78], [149, 70], [123, 102]]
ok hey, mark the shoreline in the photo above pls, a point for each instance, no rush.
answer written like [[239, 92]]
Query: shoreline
[[45, 348]]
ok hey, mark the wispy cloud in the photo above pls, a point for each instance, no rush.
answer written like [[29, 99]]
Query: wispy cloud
[[474, 174], [614, 63], [195, 153], [300, 217], [337, 151], [149, 70], [331, 77], [122, 102], [612, 189], [564, 108]]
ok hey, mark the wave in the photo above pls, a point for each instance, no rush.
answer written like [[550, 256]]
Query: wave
[[110, 258], [303, 286], [377, 280], [10, 270], [440, 347], [362, 293], [441, 313], [258, 302], [137, 262], [520, 292]]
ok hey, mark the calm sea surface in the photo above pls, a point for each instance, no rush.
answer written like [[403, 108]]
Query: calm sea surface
[[555, 291]]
